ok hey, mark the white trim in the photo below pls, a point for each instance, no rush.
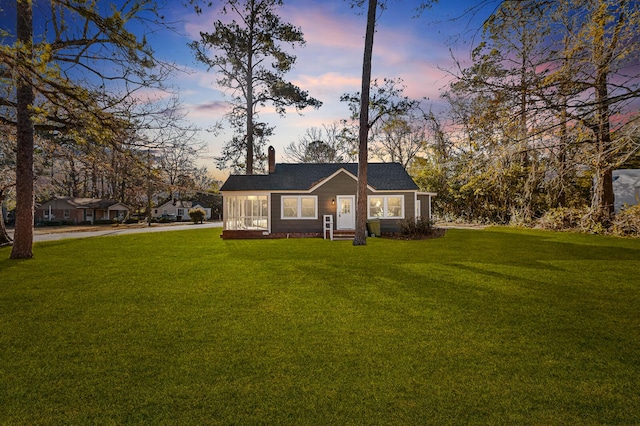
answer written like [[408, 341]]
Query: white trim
[[334, 174], [430, 196], [241, 193], [299, 207]]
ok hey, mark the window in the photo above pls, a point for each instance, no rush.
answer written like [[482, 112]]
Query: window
[[308, 207], [299, 207], [180, 212], [66, 213], [249, 212], [376, 206], [386, 207], [394, 207], [289, 207]]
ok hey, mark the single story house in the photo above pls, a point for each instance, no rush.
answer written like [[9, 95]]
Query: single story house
[[81, 210], [626, 188], [306, 200], [178, 210]]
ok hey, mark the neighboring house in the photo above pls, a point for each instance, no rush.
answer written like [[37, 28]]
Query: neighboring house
[[211, 201], [626, 188], [178, 210], [296, 199], [79, 210]]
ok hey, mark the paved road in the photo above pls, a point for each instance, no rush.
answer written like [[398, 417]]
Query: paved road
[[117, 231]]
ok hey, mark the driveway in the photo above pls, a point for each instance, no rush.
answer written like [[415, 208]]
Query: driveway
[[55, 233]]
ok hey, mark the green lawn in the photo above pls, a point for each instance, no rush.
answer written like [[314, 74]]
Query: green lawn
[[498, 326]]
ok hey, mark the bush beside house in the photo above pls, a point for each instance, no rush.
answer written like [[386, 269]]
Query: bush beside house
[[197, 215]]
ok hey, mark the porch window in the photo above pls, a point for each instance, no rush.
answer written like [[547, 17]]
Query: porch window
[[386, 206], [247, 212], [299, 207]]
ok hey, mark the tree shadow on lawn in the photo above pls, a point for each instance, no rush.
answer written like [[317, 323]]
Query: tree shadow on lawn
[[493, 245]]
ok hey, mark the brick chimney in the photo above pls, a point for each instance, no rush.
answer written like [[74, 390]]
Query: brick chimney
[[272, 160]]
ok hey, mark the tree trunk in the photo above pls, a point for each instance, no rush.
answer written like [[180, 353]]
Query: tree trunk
[[361, 205], [605, 199], [23, 243], [602, 202], [149, 208], [249, 83]]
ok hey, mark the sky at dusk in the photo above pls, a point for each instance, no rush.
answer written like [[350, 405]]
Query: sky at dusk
[[416, 49]]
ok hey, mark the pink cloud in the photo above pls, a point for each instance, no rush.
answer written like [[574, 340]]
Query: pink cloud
[[328, 84], [149, 95], [323, 26], [211, 110]]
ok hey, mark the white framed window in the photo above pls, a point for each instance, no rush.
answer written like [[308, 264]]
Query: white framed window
[[66, 213], [385, 207], [299, 207], [180, 212]]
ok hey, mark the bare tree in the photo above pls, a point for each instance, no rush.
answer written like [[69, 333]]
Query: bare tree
[[79, 39], [363, 131], [326, 144], [400, 140]]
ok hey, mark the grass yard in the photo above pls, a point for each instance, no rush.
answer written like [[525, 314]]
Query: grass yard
[[498, 326]]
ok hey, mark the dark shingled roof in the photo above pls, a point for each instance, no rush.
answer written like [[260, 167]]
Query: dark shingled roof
[[88, 203], [302, 177]]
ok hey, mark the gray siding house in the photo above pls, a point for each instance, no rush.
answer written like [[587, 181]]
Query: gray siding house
[[81, 210], [308, 200]]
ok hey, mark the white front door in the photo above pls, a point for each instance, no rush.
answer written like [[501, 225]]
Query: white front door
[[346, 212]]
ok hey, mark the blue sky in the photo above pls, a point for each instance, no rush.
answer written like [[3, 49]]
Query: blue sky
[[416, 49]]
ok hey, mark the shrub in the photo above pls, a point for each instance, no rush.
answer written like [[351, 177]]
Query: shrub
[[51, 223], [561, 218], [197, 214], [627, 222], [416, 228]]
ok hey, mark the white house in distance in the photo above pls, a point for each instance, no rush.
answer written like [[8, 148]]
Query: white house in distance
[[178, 210], [626, 188]]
